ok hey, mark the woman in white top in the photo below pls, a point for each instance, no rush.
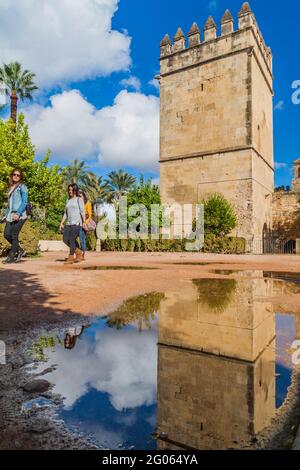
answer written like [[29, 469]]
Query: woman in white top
[[72, 221]]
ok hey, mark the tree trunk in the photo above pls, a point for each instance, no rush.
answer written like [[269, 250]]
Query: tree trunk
[[13, 106]]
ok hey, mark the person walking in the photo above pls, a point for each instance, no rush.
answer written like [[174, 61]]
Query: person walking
[[88, 216], [15, 215], [72, 221]]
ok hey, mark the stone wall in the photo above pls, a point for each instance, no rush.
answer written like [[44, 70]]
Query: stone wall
[[286, 215]]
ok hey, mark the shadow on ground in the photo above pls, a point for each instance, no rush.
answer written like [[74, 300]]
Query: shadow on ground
[[25, 303]]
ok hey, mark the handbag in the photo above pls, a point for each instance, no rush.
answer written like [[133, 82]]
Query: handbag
[[91, 226]]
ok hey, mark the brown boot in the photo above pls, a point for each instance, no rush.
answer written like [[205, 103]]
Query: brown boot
[[70, 260], [78, 256]]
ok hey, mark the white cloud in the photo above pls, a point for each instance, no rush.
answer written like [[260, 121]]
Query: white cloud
[[280, 165], [122, 364], [67, 127], [279, 106], [132, 82], [130, 131], [124, 134], [63, 40], [155, 83]]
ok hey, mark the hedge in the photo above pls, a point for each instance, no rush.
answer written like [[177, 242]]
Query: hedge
[[212, 244], [32, 233], [29, 239]]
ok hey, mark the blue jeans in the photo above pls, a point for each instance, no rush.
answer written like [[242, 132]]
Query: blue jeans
[[82, 236]]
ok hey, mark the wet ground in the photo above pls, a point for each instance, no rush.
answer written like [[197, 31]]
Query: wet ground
[[207, 367], [181, 347]]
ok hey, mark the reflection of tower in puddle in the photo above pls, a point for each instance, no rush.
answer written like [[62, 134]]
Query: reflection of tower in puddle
[[216, 367]]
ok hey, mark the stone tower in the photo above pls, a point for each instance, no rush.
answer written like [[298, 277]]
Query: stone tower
[[296, 179], [217, 119]]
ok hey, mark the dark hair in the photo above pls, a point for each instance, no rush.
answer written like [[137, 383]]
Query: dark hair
[[11, 176], [84, 195], [70, 341], [75, 188]]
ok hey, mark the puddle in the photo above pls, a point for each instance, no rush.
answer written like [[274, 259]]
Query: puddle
[[285, 276], [191, 263], [36, 403], [118, 268], [291, 277], [203, 367]]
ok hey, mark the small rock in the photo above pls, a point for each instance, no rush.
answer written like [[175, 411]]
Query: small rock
[[37, 386], [41, 427], [47, 371]]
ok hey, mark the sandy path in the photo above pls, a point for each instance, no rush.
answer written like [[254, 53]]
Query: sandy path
[[43, 289]]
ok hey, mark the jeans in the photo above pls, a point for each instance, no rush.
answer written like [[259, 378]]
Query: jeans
[[82, 236], [11, 234], [71, 233]]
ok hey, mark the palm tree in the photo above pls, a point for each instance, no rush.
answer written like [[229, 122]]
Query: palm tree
[[103, 193], [77, 172], [18, 83], [119, 183]]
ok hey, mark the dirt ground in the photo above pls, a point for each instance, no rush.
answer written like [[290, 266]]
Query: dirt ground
[[43, 292], [44, 289]]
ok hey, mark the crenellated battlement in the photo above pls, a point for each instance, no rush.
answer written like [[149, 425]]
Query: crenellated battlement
[[201, 47]]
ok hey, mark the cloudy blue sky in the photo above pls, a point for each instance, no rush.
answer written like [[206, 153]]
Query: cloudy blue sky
[[95, 62]]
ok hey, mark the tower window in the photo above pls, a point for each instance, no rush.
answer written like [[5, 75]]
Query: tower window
[[299, 172]]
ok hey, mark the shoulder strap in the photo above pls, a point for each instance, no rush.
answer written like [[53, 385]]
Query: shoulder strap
[[15, 188]]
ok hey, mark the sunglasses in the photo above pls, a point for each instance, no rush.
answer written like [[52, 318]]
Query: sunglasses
[[17, 174]]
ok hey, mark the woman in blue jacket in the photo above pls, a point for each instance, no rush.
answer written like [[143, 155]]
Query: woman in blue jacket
[[15, 215]]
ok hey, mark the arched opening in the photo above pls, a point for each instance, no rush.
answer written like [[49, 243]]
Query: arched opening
[[299, 172], [266, 248]]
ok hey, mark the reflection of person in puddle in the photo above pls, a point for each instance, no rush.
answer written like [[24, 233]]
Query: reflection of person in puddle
[[72, 335]]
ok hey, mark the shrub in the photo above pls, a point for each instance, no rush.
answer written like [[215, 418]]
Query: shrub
[[91, 241], [29, 239], [226, 245], [212, 244], [219, 216]]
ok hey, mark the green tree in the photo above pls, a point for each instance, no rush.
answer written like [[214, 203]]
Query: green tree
[[142, 310], [219, 216], [18, 83], [16, 151], [147, 194], [119, 183]]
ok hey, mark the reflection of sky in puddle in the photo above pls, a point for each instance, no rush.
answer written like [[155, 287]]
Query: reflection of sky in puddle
[[286, 333], [109, 379], [109, 384]]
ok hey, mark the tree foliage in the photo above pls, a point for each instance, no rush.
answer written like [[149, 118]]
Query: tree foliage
[[119, 183], [145, 193], [16, 151], [77, 172], [17, 81], [219, 216]]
